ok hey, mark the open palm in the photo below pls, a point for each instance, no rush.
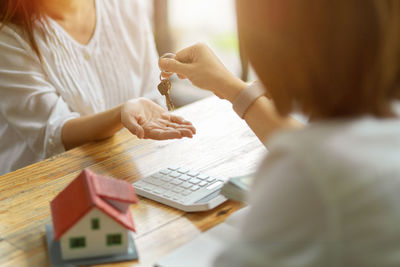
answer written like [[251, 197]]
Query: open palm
[[146, 119]]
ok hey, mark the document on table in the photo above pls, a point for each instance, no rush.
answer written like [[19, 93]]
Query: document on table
[[202, 251]]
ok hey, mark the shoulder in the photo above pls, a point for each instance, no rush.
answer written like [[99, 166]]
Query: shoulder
[[339, 158], [13, 36], [322, 141], [15, 48]]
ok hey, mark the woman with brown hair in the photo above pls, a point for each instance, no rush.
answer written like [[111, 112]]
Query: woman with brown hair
[[327, 194], [74, 71]]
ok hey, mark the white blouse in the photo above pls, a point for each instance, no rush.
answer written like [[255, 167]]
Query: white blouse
[[119, 63], [326, 195]]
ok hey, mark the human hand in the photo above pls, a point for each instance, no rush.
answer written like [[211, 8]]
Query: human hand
[[147, 120], [201, 66]]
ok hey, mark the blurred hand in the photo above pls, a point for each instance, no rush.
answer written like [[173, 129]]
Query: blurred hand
[[201, 66], [147, 120]]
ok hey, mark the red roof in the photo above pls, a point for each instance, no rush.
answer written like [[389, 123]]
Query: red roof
[[87, 191]]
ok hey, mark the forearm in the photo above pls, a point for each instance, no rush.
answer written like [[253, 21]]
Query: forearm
[[200, 65], [264, 120], [89, 128]]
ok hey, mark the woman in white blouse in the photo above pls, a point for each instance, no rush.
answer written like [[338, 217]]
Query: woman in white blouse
[[74, 71]]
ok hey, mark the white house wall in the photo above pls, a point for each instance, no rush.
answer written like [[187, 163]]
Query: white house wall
[[95, 239]]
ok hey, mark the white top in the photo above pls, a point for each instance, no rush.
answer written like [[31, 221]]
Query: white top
[[327, 195], [119, 63]]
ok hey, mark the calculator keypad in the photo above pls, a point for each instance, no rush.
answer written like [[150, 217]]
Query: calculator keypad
[[180, 185]]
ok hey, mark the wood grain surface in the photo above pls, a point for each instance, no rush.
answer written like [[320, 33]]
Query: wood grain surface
[[224, 146]]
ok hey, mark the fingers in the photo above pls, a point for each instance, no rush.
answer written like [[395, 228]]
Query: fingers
[[176, 119], [182, 77], [184, 62], [166, 129], [181, 62], [163, 134], [178, 122], [166, 75], [189, 54], [168, 65], [184, 128], [186, 132]]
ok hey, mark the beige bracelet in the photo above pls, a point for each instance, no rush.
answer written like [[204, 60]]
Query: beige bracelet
[[247, 97]]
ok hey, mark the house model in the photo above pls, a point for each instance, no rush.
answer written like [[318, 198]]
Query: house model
[[91, 216]]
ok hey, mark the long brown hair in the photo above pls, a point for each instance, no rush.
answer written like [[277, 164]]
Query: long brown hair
[[22, 13], [330, 59]]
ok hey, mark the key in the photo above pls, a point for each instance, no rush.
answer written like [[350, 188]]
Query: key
[[165, 86], [159, 191], [192, 173], [167, 179], [186, 185], [186, 192], [203, 183], [183, 170], [202, 177], [175, 174], [185, 177], [177, 189], [176, 182], [194, 181], [194, 188], [165, 171]]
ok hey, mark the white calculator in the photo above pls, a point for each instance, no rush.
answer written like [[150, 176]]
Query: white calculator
[[182, 189]]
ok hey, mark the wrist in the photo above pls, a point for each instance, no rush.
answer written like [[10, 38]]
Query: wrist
[[232, 88], [114, 122], [118, 113], [245, 99]]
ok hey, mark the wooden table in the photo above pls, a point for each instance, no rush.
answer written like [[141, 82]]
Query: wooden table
[[223, 146]]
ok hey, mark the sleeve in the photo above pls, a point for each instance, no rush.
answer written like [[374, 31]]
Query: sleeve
[[29, 103], [286, 223], [151, 72]]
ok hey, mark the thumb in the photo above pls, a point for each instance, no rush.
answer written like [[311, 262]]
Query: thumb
[[172, 65], [135, 128]]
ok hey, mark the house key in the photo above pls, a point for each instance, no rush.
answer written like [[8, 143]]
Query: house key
[[165, 87]]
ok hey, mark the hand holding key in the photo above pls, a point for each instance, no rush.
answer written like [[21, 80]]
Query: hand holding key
[[202, 67]]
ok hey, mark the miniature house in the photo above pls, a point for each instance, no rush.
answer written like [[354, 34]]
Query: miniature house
[[91, 216]]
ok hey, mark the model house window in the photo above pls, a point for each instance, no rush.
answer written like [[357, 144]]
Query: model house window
[[95, 224], [114, 239], [77, 242]]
